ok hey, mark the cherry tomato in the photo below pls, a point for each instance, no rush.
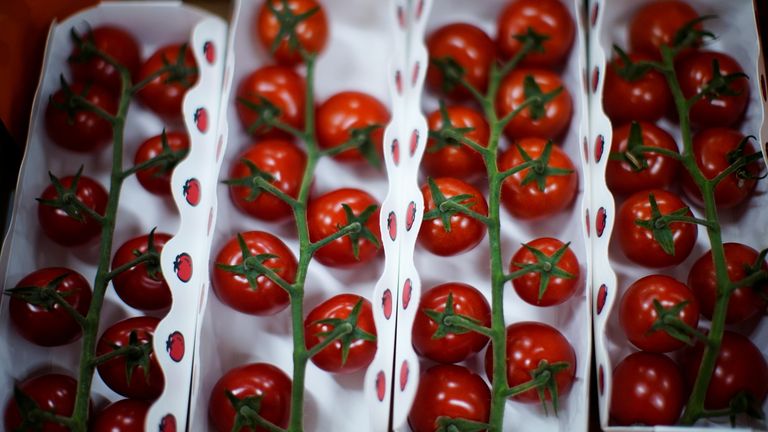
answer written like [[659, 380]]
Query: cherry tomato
[[548, 18], [467, 301], [283, 164], [255, 380], [127, 415], [143, 383], [116, 43], [639, 244], [142, 286], [326, 215], [648, 389], [361, 351], [453, 158], [548, 120], [54, 393], [51, 325], [64, 229], [523, 195], [282, 89], [77, 129], [157, 179], [345, 116], [449, 391], [462, 46], [464, 232], [626, 97], [746, 301], [163, 95], [311, 33], [657, 23], [559, 288], [234, 289]]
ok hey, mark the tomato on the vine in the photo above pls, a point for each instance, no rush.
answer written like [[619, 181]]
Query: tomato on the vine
[[459, 51], [657, 23], [557, 278], [142, 286], [549, 18], [78, 129], [115, 42], [451, 158], [127, 415], [157, 179], [352, 116], [54, 393], [543, 120], [64, 229], [311, 32], [271, 92], [165, 93], [635, 93]]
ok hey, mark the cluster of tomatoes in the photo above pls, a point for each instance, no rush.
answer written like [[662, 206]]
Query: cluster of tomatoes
[[69, 211], [658, 313]]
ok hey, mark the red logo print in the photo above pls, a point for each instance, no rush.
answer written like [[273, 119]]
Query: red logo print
[[404, 370], [407, 287], [600, 223], [602, 295], [410, 216], [399, 82], [386, 303], [414, 141], [210, 52], [381, 386], [392, 225], [191, 191], [182, 266], [415, 74], [599, 147], [168, 424], [396, 151], [175, 346], [201, 119]]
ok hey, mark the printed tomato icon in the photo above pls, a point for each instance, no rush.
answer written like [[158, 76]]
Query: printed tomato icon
[[410, 216], [175, 346], [392, 225], [209, 50], [602, 218], [602, 295], [404, 372], [386, 303], [380, 385], [168, 423], [182, 266], [396, 151], [191, 191], [414, 141], [407, 288], [201, 119]]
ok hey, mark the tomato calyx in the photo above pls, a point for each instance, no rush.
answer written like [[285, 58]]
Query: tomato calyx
[[658, 224], [668, 320], [448, 135], [346, 331], [247, 413], [34, 418], [742, 403], [688, 35], [166, 160], [719, 85], [450, 424], [445, 208], [257, 181], [537, 100], [253, 267], [267, 115], [449, 322], [634, 154], [542, 379], [136, 354], [356, 227], [67, 200], [738, 162], [545, 266], [754, 275], [539, 169], [47, 296], [452, 72], [532, 40], [629, 70], [288, 23], [362, 140], [177, 72], [76, 102]]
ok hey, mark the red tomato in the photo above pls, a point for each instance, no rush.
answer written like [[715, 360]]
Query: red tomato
[[142, 286], [326, 215], [548, 120], [453, 347], [361, 351], [51, 325], [77, 129], [454, 158], [465, 232], [548, 18], [233, 288], [537, 191], [282, 88], [345, 116], [255, 380], [157, 179], [54, 393], [746, 301], [283, 163], [143, 383], [64, 229], [127, 415], [657, 23], [648, 389], [559, 288], [464, 46], [639, 244], [116, 43], [311, 33], [161, 95], [637, 313], [449, 391], [626, 97], [631, 174]]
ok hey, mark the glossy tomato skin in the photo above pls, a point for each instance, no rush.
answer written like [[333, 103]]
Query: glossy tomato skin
[[459, 161], [54, 326], [143, 286], [84, 131], [559, 289], [646, 98], [453, 347], [325, 215], [656, 24], [745, 302], [235, 291], [661, 171], [470, 48], [449, 391], [344, 112], [113, 372], [637, 313], [127, 415], [361, 352], [638, 243], [557, 112], [648, 389], [155, 179], [255, 379], [528, 201], [466, 232], [546, 17], [66, 230], [165, 98], [116, 43], [312, 33], [280, 159], [52, 392], [283, 88]]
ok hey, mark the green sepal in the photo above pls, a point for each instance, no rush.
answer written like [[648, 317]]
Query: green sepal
[[538, 108], [65, 197], [450, 424], [29, 412], [347, 339], [443, 328], [540, 169], [660, 229], [446, 135], [440, 210], [364, 231], [545, 266], [251, 181], [251, 266], [668, 320], [137, 356], [629, 71], [267, 113], [41, 296], [688, 34], [631, 156], [537, 39], [451, 71], [288, 22]]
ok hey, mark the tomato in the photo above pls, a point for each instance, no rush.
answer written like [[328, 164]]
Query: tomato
[[694, 72], [464, 232], [142, 286], [143, 383], [452, 158], [548, 120], [544, 189], [637, 313], [746, 301], [115, 42], [51, 325], [657, 23], [529, 345], [548, 18], [52, 392], [278, 90], [453, 347], [449, 391], [637, 171], [347, 115], [157, 179], [127, 415], [269, 384], [278, 161], [640, 244], [77, 129], [360, 351], [63, 228], [326, 215], [164, 95], [648, 389], [311, 33], [626, 97], [260, 295], [714, 150], [467, 52], [559, 287]]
